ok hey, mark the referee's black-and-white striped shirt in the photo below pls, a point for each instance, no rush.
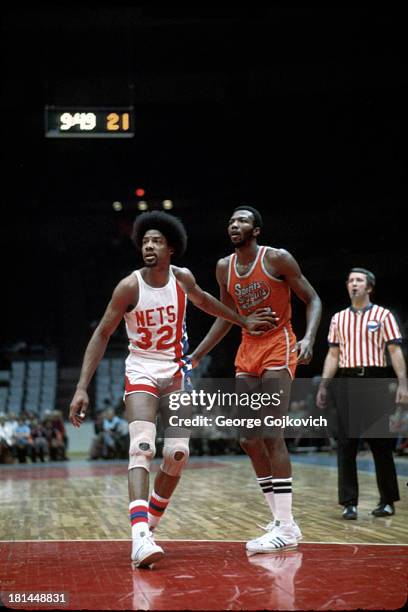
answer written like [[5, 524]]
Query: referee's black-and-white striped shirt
[[362, 335]]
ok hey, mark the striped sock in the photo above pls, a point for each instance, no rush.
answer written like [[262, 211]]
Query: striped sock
[[138, 518], [282, 488], [267, 489], [157, 506]]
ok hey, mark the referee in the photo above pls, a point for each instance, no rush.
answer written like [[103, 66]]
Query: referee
[[357, 340]]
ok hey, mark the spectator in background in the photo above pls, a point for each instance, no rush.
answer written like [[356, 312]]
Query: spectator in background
[[294, 435], [23, 441], [95, 450], [58, 423], [122, 439], [6, 441], [10, 426], [12, 422], [315, 412], [112, 438], [216, 441], [110, 425], [28, 416], [55, 440], [39, 435]]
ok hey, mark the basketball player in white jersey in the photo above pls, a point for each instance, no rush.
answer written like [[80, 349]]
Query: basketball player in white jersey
[[152, 301]]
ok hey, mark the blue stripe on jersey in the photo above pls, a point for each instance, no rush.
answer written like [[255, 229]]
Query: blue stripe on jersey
[[184, 340]]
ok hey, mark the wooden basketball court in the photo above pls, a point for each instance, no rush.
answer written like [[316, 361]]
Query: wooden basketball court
[[65, 529]]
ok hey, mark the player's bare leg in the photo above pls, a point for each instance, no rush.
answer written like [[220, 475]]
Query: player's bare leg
[[278, 381], [175, 456], [255, 448], [141, 410], [271, 453]]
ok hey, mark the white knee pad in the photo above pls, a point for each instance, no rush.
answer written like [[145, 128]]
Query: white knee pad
[[175, 455], [142, 444]]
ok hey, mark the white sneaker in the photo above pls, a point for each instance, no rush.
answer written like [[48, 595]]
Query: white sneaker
[[280, 537], [145, 551], [279, 565], [296, 529]]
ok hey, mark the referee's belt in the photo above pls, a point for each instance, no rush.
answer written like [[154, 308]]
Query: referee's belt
[[371, 371]]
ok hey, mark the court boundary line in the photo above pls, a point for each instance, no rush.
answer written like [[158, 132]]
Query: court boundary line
[[335, 467], [183, 540], [315, 465]]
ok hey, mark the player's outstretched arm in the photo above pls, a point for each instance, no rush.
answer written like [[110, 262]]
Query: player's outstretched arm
[[212, 306], [124, 294], [286, 265], [220, 327]]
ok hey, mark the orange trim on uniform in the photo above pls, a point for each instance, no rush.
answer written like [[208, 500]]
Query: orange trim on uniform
[[270, 352]]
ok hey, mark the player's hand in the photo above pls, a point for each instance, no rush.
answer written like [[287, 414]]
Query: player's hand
[[194, 360], [305, 351], [78, 407], [401, 396], [260, 321], [321, 398]]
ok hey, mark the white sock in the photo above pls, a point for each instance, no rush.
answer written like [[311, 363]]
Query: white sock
[[267, 489], [282, 489], [138, 518]]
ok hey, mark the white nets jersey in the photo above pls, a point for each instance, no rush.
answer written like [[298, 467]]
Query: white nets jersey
[[157, 363], [156, 326]]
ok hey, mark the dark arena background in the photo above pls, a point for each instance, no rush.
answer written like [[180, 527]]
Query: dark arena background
[[299, 112]]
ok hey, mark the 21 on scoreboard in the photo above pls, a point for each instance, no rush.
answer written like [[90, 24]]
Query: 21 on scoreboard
[[95, 122]]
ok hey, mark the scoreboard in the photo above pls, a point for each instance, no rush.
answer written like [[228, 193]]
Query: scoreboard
[[89, 122]]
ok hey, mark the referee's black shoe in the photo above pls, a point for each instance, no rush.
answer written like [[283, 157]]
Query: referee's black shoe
[[349, 512], [384, 510]]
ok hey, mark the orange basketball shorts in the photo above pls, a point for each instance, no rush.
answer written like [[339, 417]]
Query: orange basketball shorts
[[270, 352]]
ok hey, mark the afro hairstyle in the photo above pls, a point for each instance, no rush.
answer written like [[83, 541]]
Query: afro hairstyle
[[171, 228]]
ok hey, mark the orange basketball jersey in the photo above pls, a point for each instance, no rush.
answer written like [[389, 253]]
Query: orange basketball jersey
[[258, 289]]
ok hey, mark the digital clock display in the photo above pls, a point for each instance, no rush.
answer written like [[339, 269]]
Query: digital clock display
[[66, 122]]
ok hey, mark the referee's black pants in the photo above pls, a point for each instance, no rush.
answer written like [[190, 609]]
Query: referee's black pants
[[382, 449], [363, 412]]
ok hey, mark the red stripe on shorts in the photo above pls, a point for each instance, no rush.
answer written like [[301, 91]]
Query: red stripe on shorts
[[129, 388]]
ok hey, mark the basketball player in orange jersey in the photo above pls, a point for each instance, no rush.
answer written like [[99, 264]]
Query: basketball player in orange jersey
[[152, 301], [253, 277]]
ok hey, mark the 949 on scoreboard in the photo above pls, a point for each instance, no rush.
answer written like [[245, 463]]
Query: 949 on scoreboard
[[68, 122]]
